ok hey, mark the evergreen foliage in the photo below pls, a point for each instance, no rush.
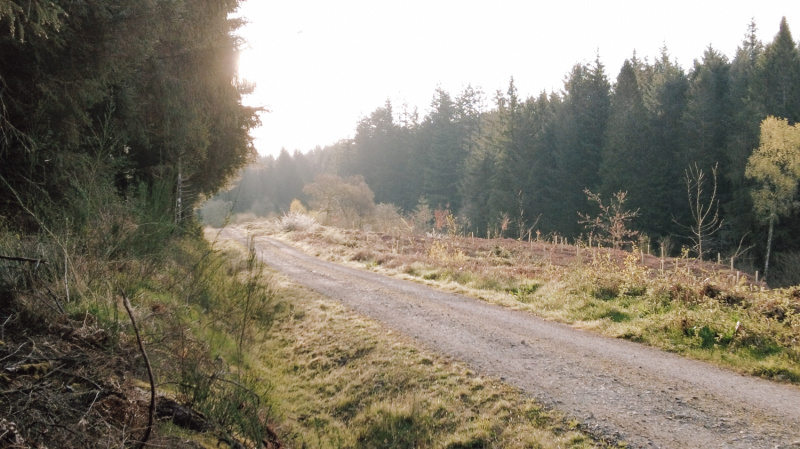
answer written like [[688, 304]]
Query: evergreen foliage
[[149, 85], [501, 169]]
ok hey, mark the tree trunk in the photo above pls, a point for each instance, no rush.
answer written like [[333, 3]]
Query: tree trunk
[[179, 194], [769, 246]]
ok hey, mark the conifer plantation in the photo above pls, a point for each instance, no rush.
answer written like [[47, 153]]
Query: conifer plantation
[[504, 164], [120, 326]]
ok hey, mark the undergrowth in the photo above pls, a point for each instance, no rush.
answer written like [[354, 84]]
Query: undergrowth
[[73, 373]]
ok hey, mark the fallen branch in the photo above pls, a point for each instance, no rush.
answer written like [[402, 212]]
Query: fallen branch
[[24, 259], [146, 437]]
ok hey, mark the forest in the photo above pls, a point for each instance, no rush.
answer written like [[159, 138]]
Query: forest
[[675, 140], [116, 118], [144, 93]]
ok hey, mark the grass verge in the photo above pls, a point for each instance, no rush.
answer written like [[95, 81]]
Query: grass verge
[[700, 310], [342, 380]]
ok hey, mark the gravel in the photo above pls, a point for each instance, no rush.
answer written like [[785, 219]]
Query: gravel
[[616, 389]]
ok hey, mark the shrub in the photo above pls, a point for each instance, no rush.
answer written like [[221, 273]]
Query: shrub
[[388, 218], [295, 221], [297, 207]]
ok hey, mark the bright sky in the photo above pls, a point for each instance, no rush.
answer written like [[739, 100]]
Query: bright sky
[[321, 65]]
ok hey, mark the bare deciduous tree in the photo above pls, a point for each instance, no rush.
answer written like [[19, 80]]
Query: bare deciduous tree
[[704, 224], [612, 220], [346, 201]]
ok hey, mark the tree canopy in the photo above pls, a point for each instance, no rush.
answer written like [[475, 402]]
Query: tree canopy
[[148, 87]]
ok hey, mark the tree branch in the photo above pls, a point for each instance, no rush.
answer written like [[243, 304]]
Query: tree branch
[[146, 437]]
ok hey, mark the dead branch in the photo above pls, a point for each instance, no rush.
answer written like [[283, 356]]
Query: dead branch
[[24, 259], [146, 437]]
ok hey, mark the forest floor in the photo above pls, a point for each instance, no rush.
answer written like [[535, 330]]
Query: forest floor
[[610, 387]]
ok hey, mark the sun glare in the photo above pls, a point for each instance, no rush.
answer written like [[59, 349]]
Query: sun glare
[[246, 64]]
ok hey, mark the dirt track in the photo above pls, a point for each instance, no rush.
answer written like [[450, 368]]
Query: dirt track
[[646, 397]]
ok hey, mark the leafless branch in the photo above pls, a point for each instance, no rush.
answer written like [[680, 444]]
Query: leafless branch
[[146, 437], [24, 259]]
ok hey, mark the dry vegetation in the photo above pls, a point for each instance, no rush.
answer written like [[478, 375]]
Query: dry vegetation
[[699, 309], [341, 380], [74, 374], [240, 358]]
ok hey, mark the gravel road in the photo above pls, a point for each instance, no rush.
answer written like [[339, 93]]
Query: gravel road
[[616, 388]]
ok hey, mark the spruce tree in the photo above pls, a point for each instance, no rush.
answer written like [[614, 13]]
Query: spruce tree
[[628, 162], [779, 76], [581, 131]]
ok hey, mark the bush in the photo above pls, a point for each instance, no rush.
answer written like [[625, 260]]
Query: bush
[[295, 221], [388, 218]]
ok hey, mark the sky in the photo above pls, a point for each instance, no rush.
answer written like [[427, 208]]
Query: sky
[[321, 65]]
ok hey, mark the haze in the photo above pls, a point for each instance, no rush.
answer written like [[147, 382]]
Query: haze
[[320, 66]]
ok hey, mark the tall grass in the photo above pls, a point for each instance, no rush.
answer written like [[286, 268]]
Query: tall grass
[[200, 310]]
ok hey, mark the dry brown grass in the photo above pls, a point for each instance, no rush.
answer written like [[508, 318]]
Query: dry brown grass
[[342, 380], [699, 309]]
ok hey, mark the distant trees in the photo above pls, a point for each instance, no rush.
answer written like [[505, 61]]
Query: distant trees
[[504, 165]]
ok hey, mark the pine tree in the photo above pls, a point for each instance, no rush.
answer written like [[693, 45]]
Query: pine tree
[[707, 118], [444, 152], [154, 90], [779, 76], [626, 164], [742, 136], [581, 131]]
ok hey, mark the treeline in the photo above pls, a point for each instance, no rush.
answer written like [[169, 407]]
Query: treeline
[[519, 160], [142, 91], [268, 186]]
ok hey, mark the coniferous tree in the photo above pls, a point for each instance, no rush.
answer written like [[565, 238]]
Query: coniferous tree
[[664, 96], [288, 182], [152, 89], [444, 152], [542, 193], [581, 132], [779, 76], [707, 118], [383, 153], [742, 136], [627, 159], [500, 144]]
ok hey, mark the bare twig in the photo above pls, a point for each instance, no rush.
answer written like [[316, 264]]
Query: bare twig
[[253, 393], [146, 437], [739, 251], [3, 326], [704, 224], [12, 354], [55, 299], [96, 395]]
